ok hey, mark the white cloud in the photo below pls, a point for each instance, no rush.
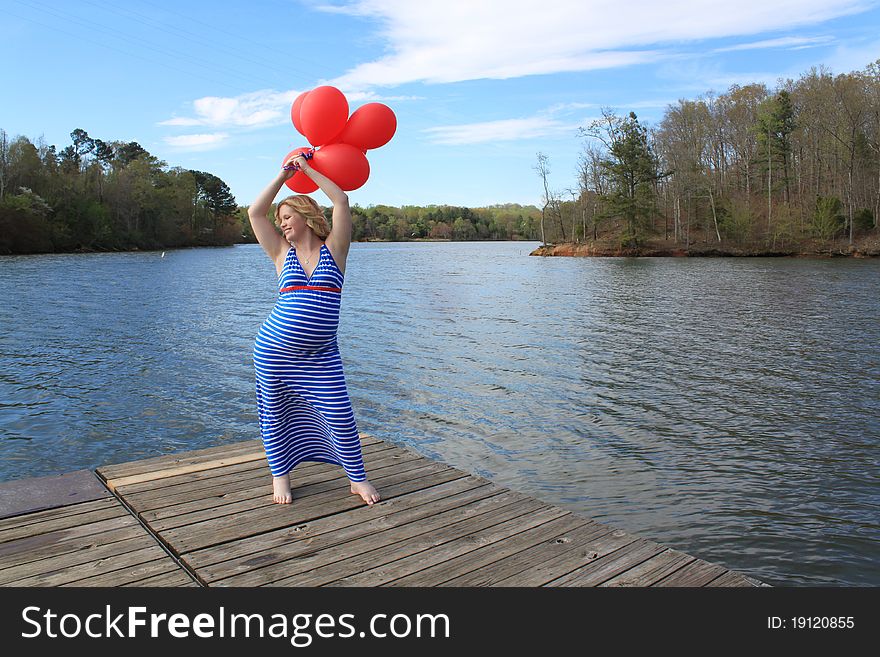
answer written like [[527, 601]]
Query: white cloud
[[501, 130], [181, 120], [250, 110], [782, 42], [258, 108], [200, 142], [464, 40]]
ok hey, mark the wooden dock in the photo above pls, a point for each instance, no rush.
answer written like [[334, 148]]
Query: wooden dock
[[206, 518]]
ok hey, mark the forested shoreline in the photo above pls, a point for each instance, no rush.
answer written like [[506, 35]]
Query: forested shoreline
[[94, 195], [750, 171]]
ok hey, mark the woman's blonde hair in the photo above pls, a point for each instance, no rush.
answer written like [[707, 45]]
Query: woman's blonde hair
[[309, 209]]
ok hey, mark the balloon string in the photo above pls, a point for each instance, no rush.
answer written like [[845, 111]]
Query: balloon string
[[293, 166]]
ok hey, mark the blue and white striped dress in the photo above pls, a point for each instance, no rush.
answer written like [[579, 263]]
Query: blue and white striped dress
[[303, 403]]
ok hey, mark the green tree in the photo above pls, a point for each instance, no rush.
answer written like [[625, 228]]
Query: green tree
[[463, 230], [776, 122], [632, 170], [828, 219]]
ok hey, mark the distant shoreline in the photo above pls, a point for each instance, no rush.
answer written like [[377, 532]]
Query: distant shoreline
[[135, 249], [866, 248]]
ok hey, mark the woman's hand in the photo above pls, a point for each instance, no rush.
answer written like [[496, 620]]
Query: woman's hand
[[290, 166], [294, 163]]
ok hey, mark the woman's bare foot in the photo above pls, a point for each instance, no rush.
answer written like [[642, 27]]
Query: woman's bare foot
[[366, 490], [281, 486]]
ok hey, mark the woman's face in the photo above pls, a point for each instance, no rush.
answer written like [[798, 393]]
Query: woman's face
[[292, 222]]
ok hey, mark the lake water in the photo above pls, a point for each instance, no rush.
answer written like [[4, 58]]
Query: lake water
[[726, 407]]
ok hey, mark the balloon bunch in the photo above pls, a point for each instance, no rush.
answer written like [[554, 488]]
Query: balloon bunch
[[339, 141]]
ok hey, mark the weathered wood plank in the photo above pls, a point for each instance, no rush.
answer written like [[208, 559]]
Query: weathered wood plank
[[58, 512], [193, 457], [339, 529], [83, 537], [608, 565], [257, 468], [63, 522], [731, 578], [174, 578], [274, 516], [754, 582], [652, 570], [696, 573], [365, 549], [165, 461], [513, 556], [94, 569], [390, 573], [118, 483], [256, 490], [67, 561], [591, 541], [260, 497], [130, 573], [393, 544]]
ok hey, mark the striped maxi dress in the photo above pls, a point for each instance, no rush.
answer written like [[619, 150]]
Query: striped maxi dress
[[302, 399]]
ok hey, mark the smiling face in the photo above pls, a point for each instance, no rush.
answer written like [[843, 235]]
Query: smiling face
[[296, 214], [291, 222]]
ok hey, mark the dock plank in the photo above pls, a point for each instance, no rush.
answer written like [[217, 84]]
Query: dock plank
[[270, 517], [390, 545], [170, 579], [66, 563], [523, 553], [731, 578], [221, 561], [58, 512], [63, 541], [255, 492], [204, 484], [695, 573], [651, 571], [458, 546], [609, 562], [62, 522], [92, 543], [485, 559]]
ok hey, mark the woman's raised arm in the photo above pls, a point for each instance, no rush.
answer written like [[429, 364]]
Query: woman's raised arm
[[264, 230], [339, 239]]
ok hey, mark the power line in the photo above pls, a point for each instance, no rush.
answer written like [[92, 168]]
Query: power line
[[131, 14], [55, 28], [110, 31], [239, 37]]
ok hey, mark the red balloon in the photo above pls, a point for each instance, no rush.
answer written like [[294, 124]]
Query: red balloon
[[299, 182], [323, 114], [370, 126], [295, 112], [344, 164]]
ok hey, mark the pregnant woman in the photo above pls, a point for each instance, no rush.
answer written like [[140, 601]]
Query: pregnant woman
[[302, 399]]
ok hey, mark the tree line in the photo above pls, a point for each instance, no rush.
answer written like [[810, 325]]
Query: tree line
[[497, 222], [106, 195], [112, 195], [749, 167]]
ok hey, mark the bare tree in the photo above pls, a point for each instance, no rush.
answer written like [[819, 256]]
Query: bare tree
[[543, 169]]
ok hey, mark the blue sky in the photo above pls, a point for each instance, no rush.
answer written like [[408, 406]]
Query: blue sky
[[478, 87]]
